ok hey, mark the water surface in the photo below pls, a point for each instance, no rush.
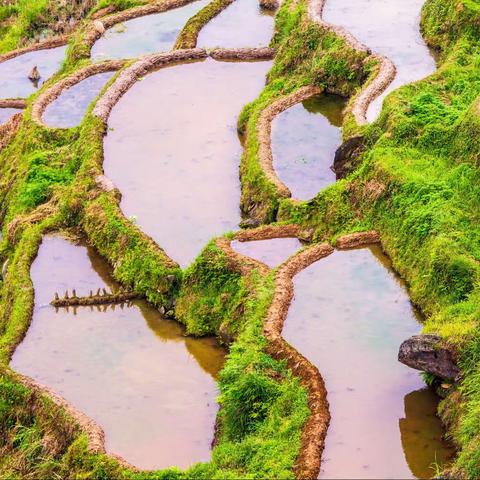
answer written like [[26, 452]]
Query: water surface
[[390, 28], [241, 24], [7, 113], [148, 386], [272, 252], [14, 81], [349, 317], [144, 35], [70, 107], [174, 152], [304, 140]]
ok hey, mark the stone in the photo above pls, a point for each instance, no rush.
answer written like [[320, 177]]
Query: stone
[[104, 183], [249, 223], [428, 354], [99, 27], [346, 156], [34, 75], [224, 335]]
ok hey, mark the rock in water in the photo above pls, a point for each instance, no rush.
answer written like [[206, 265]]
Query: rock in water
[[34, 75], [428, 354]]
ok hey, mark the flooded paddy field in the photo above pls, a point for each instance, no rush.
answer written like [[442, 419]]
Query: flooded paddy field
[[69, 108], [349, 315], [7, 113], [150, 388], [171, 157], [173, 151], [390, 28], [304, 140], [144, 35], [271, 252], [242, 24], [14, 81]]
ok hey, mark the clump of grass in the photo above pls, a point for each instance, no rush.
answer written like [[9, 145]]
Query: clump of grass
[[306, 55]]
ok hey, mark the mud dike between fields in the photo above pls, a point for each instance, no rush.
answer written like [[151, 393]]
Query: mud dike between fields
[[173, 152]]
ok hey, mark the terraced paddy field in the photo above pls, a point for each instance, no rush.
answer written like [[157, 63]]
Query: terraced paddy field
[[240, 239]]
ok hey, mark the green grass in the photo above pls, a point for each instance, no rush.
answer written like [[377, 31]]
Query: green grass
[[262, 406], [59, 167], [21, 21], [422, 161], [306, 55], [417, 183]]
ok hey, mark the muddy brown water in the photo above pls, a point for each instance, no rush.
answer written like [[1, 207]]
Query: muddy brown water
[[149, 387], [144, 35], [390, 28], [349, 316], [174, 152], [271, 252], [242, 24], [14, 81], [7, 113], [304, 140], [69, 108]]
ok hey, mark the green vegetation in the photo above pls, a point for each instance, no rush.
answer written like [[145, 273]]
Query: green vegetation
[[306, 55], [21, 21], [187, 38], [48, 184], [25, 21], [262, 406], [417, 182]]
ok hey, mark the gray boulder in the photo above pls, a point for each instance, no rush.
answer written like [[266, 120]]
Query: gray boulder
[[428, 354]]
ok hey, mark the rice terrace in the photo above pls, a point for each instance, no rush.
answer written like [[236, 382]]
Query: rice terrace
[[240, 239]]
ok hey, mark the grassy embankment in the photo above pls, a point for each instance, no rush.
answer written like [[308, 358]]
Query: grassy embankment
[[307, 56], [48, 185], [25, 22], [418, 183]]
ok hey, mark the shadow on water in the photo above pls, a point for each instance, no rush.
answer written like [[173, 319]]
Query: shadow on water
[[422, 434], [304, 141], [151, 388], [349, 316]]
